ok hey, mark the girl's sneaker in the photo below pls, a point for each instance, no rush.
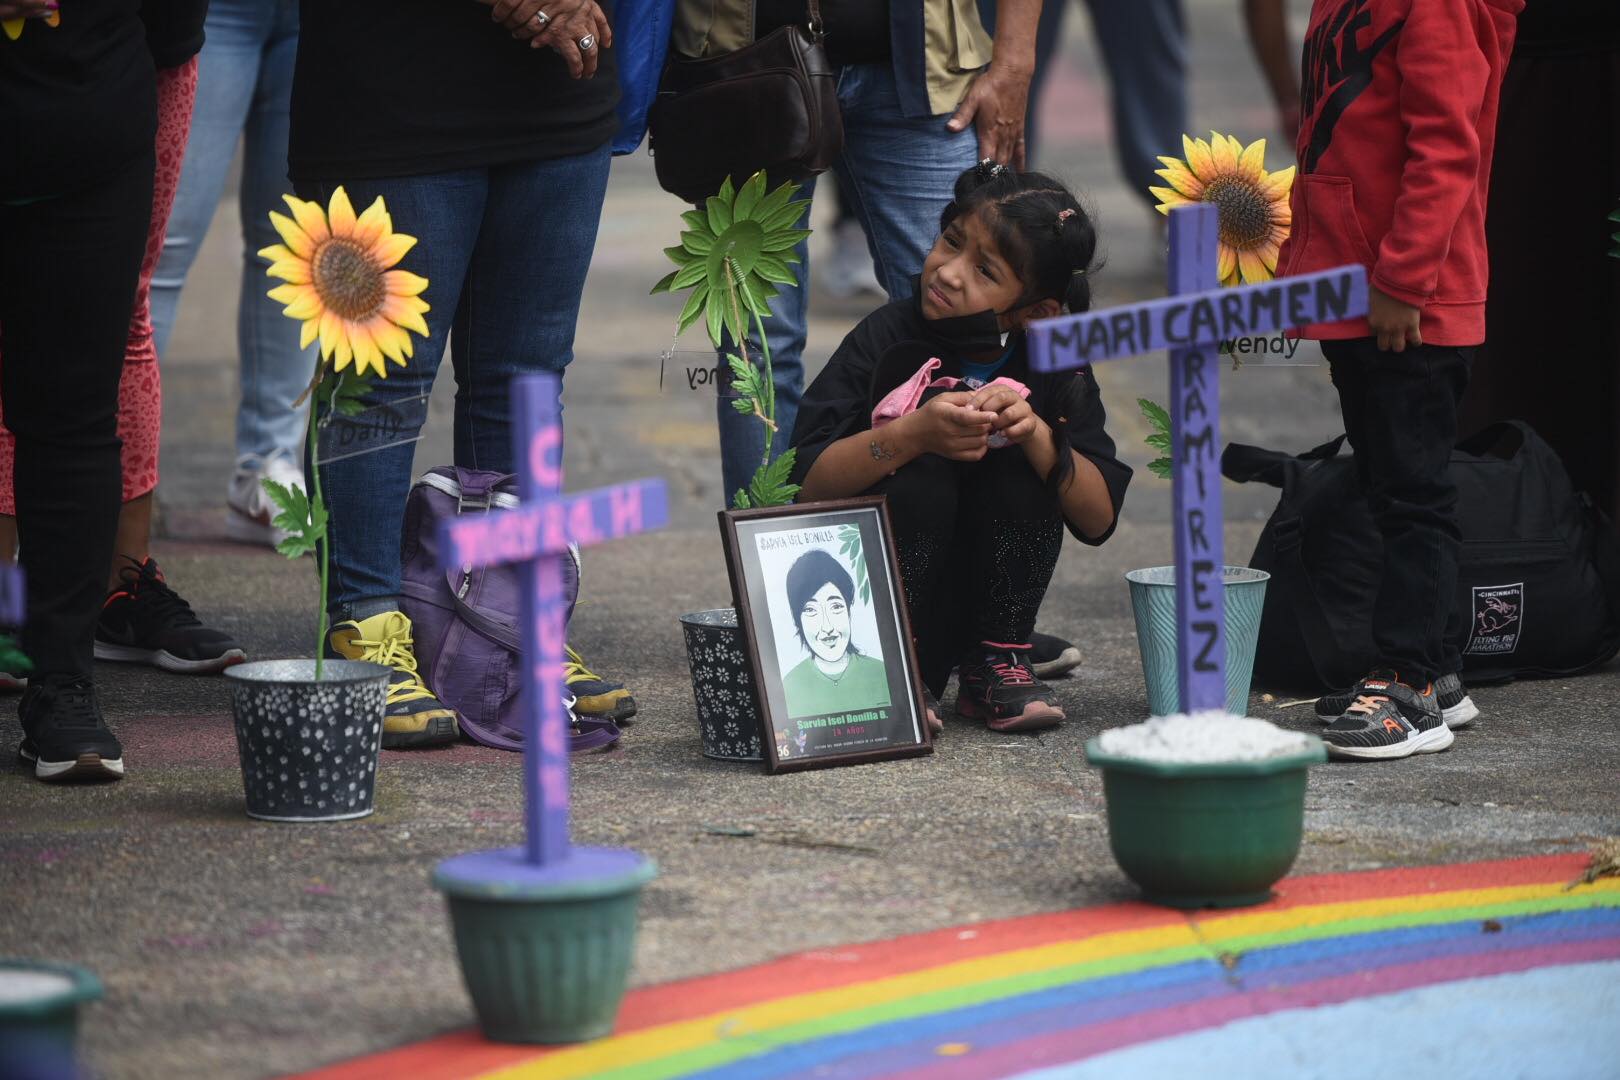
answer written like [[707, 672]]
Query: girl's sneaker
[[1457, 708], [996, 685], [1388, 719]]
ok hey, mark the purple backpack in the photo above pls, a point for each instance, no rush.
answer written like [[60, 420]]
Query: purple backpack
[[465, 621]]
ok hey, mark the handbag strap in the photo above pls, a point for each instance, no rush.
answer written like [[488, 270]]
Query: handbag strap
[[817, 28]]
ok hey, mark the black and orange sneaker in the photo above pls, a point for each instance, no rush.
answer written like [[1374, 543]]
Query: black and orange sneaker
[[414, 717], [1457, 708], [1388, 719], [995, 685], [144, 621]]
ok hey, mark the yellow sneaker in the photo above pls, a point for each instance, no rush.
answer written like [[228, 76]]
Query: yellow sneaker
[[415, 717], [595, 696]]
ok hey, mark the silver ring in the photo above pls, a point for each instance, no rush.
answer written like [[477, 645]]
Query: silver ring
[[540, 19], [587, 43]]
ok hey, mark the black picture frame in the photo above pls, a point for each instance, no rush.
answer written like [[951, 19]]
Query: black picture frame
[[803, 723]]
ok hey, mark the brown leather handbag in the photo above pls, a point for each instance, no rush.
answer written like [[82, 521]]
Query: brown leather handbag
[[772, 105]]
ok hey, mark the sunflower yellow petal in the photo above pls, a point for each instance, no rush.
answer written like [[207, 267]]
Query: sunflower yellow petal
[[12, 27], [309, 218], [1200, 159], [392, 248], [1225, 261], [1226, 158], [1169, 197], [1278, 184], [1228, 282], [276, 253], [305, 306], [1268, 254], [1252, 266], [308, 333], [340, 213], [400, 311], [294, 271], [297, 240], [1253, 160], [345, 349], [373, 224], [331, 329], [1181, 178], [404, 283]]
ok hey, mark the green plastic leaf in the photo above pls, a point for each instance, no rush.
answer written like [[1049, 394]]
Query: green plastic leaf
[[689, 275], [715, 309], [694, 307], [753, 298], [770, 486], [305, 524], [775, 268], [1159, 442], [1155, 414], [744, 405], [696, 219], [749, 197], [664, 283], [348, 394], [1160, 467], [727, 192], [679, 255], [740, 501], [785, 239], [719, 207], [784, 217], [697, 243]]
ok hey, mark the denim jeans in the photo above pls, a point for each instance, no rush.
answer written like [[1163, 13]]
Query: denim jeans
[[898, 174], [1400, 411], [244, 84], [505, 250]]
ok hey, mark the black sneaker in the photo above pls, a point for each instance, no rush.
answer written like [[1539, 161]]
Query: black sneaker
[[1051, 656], [1457, 709], [146, 622], [996, 685], [64, 735], [1388, 719]]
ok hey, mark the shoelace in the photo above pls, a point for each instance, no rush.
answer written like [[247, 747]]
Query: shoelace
[[74, 705], [574, 669], [153, 598], [394, 650], [1367, 704], [1012, 671]]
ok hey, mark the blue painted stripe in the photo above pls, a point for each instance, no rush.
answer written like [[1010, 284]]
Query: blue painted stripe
[[880, 1048]]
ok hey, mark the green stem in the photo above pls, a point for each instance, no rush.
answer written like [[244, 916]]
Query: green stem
[[770, 389], [318, 504]]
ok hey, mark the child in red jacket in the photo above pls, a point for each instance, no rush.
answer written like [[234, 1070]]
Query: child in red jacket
[[1399, 114]]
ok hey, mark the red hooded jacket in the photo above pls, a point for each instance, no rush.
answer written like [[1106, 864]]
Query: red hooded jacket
[[1399, 118]]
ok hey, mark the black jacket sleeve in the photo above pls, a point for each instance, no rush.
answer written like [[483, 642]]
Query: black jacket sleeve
[[174, 30], [838, 403], [1087, 436]]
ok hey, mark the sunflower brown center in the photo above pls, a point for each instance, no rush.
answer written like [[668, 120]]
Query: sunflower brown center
[[1245, 212], [347, 280]]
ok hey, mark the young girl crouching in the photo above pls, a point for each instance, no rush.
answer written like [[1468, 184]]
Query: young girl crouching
[[984, 461]]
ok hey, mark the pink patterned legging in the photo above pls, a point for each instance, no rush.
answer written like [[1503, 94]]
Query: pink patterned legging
[[140, 393]]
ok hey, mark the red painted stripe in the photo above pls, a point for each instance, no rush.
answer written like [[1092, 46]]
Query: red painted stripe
[[1079, 1043], [464, 1052]]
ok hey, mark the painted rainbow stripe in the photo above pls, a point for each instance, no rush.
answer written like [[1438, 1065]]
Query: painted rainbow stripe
[[1001, 998]]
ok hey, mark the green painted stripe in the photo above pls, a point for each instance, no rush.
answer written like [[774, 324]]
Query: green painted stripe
[[724, 1051]]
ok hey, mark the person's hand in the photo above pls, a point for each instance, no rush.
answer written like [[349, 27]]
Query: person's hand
[[1393, 323], [559, 25], [27, 9], [947, 426], [995, 104], [1015, 419]]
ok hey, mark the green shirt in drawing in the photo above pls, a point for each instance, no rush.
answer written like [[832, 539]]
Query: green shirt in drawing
[[863, 685]]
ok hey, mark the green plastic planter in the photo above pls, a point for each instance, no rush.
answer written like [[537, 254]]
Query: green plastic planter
[[546, 962], [1206, 835], [39, 1018]]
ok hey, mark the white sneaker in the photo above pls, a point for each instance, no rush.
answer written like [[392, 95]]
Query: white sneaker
[[847, 269], [251, 510]]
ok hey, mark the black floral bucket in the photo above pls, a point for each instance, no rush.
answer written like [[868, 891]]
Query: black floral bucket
[[308, 749], [727, 714]]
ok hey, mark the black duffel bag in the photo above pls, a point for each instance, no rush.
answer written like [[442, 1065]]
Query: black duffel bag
[[1538, 589]]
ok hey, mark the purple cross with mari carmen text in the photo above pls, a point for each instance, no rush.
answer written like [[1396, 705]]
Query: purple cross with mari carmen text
[[536, 535], [1191, 323]]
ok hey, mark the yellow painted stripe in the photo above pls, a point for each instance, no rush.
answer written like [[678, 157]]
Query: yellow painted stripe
[[640, 1047]]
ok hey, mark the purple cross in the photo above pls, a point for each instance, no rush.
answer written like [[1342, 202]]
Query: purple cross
[[537, 536], [1191, 323]]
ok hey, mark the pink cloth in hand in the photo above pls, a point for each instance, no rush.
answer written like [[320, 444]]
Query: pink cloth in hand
[[908, 395]]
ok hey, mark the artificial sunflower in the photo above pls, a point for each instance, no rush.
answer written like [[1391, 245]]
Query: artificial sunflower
[[1252, 203], [340, 285], [742, 240], [14, 27]]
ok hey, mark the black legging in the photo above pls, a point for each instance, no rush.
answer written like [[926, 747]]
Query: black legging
[[68, 271], [977, 544]]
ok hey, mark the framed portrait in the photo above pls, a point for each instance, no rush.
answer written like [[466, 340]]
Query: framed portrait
[[820, 605]]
